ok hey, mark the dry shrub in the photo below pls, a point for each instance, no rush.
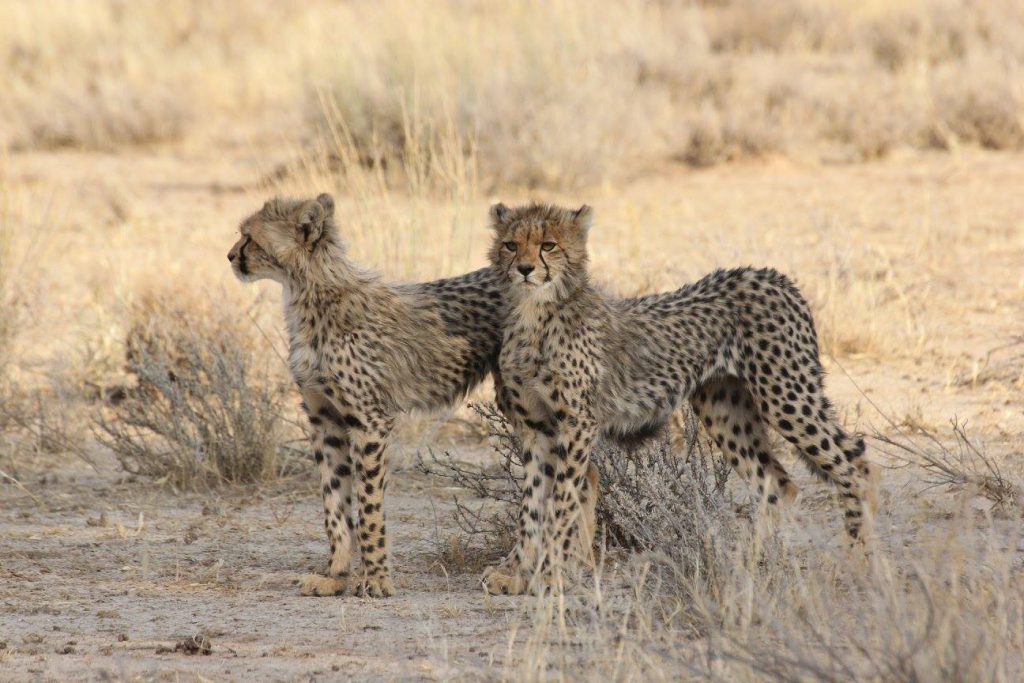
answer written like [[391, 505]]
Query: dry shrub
[[666, 496], [753, 26], [109, 73], [959, 464], [938, 31], [657, 498], [489, 525], [103, 116], [980, 104], [205, 408]]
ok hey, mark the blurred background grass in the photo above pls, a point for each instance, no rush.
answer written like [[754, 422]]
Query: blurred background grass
[[561, 94]]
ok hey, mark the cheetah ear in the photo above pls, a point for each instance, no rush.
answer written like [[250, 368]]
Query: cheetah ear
[[583, 217], [311, 223], [327, 201], [499, 214]]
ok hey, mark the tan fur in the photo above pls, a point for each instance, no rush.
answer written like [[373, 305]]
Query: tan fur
[[362, 351], [739, 345]]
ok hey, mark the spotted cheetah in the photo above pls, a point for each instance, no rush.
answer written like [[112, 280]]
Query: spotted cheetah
[[739, 345], [362, 351]]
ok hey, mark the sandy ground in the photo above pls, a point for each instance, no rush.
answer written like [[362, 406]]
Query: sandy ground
[[103, 578], [106, 578]]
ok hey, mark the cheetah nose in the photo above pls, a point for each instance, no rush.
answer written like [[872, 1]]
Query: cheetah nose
[[231, 256], [525, 269]]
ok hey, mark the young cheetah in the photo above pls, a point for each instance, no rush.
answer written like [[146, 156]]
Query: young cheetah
[[362, 351], [739, 344]]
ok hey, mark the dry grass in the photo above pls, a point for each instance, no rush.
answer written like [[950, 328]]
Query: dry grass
[[8, 302], [204, 409], [730, 601], [574, 95], [782, 613], [97, 75], [960, 466]]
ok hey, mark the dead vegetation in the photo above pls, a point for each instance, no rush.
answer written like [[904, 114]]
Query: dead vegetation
[[786, 612], [488, 526], [705, 593], [660, 498], [10, 306], [957, 462], [203, 409], [1004, 363], [729, 600], [570, 97]]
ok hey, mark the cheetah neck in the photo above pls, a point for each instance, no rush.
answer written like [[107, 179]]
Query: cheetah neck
[[329, 297], [532, 317]]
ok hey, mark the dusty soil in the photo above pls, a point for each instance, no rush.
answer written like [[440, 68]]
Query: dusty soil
[[108, 579], [105, 577]]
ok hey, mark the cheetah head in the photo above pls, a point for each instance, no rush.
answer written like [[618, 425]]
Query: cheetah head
[[540, 248], [278, 240]]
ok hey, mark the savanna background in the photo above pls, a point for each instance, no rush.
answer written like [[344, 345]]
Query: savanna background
[[156, 501]]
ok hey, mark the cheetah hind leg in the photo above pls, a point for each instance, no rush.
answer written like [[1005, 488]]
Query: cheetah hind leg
[[809, 423], [726, 409]]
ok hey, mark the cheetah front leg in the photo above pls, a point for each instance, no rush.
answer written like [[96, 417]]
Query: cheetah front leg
[[570, 516], [330, 445], [512, 575], [369, 438]]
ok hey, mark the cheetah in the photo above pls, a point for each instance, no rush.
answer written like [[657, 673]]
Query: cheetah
[[739, 345], [362, 351]]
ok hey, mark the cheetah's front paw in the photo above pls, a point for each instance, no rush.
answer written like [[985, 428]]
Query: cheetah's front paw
[[375, 586], [502, 580], [316, 584]]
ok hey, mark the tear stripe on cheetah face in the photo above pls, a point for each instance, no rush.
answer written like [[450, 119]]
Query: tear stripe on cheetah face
[[361, 351], [739, 345]]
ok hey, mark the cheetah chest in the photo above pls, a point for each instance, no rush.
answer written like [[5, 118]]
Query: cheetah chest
[[534, 363]]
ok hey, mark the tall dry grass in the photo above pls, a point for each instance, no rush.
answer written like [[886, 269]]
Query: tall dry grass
[[8, 302], [947, 606], [586, 92], [778, 613], [99, 75], [708, 594], [566, 95]]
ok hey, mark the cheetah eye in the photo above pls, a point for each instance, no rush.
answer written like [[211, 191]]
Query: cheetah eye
[[547, 246], [511, 246]]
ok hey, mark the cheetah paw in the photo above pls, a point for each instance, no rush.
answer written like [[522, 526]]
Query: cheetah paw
[[375, 586], [316, 584], [502, 581]]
